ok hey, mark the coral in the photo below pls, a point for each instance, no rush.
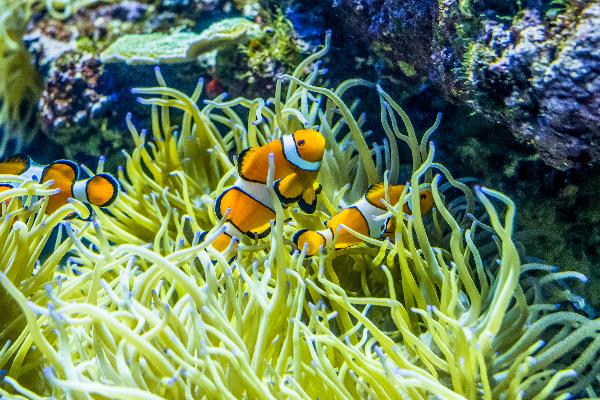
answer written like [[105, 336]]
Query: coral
[[143, 308], [157, 48]]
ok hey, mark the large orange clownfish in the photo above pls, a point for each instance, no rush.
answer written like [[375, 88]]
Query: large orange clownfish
[[100, 190], [297, 160], [360, 217]]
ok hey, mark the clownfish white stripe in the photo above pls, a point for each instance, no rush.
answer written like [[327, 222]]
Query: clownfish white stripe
[[80, 190], [290, 152], [256, 190], [327, 235], [34, 172], [369, 212]]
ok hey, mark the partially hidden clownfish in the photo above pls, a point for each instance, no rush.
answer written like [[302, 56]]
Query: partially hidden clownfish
[[297, 160], [360, 217], [100, 190]]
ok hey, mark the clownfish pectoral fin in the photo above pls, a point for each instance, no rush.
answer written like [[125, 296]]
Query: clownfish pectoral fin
[[312, 239], [244, 161], [15, 164], [308, 200], [288, 189]]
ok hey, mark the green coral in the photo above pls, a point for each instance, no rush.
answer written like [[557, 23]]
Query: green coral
[[163, 48]]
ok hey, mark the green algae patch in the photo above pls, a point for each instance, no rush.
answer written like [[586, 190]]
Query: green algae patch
[[163, 48]]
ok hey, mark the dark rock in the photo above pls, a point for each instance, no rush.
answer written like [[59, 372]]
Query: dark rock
[[534, 68]]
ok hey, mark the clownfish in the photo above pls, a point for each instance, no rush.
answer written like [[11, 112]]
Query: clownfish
[[100, 190], [360, 217], [297, 160]]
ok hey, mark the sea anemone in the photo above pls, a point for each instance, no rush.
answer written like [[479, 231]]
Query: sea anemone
[[142, 307]]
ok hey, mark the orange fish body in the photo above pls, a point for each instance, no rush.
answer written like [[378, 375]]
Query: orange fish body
[[100, 190], [297, 160], [360, 217]]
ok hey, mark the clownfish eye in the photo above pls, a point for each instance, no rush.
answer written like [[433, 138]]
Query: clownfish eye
[[301, 142], [423, 196]]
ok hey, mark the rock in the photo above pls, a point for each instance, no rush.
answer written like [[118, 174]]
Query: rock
[[534, 68]]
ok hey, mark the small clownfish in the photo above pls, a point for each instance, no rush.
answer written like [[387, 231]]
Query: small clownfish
[[100, 190], [297, 162], [360, 217]]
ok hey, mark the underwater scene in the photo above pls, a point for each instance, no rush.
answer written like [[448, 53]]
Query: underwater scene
[[337, 199]]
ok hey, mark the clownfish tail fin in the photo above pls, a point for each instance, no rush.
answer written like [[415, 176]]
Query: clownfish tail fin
[[100, 190], [15, 164]]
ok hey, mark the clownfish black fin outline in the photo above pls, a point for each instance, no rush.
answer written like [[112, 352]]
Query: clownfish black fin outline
[[17, 159]]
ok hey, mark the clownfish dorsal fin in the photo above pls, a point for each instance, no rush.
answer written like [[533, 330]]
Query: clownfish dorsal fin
[[5, 186], [244, 161], [375, 193], [15, 164], [101, 190]]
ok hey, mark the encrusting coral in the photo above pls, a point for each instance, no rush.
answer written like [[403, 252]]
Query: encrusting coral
[[132, 305]]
